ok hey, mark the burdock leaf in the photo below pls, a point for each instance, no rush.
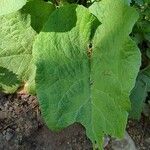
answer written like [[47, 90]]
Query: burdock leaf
[[85, 71]]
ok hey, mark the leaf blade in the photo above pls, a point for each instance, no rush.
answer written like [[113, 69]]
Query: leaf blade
[[9, 6], [77, 84]]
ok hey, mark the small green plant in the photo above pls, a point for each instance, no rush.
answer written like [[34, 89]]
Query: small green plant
[[77, 58]]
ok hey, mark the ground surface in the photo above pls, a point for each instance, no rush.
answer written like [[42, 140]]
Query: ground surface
[[21, 128]]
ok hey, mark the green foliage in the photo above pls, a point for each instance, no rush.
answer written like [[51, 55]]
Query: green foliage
[[139, 93], [141, 31], [39, 11], [16, 41], [9, 6], [80, 61], [18, 32], [141, 34], [93, 88], [5, 76]]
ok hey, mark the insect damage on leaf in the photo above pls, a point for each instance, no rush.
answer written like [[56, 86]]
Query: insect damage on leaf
[[89, 50], [89, 54]]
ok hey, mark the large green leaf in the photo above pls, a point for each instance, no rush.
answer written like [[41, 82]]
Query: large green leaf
[[16, 39], [9, 6], [78, 84], [116, 62]]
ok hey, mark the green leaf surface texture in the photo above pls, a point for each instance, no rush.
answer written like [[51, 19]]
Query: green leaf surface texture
[[16, 40], [86, 67], [9, 6], [18, 31]]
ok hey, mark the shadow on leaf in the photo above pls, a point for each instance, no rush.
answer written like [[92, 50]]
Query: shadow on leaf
[[64, 23]]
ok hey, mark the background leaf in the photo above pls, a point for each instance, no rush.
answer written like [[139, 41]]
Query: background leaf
[[39, 11], [18, 32], [9, 6], [141, 34], [17, 37], [140, 92], [7, 79]]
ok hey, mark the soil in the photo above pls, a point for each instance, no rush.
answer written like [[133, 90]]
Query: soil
[[140, 132], [21, 128]]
